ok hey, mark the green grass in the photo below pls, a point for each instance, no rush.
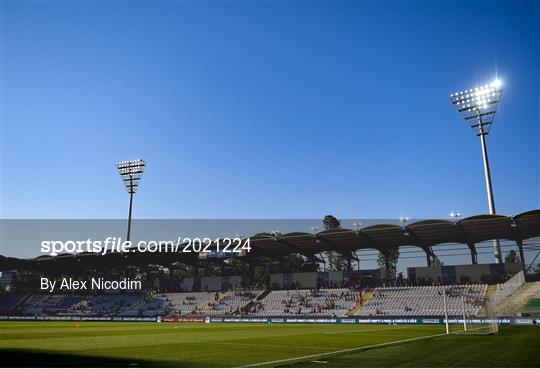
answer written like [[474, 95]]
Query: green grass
[[55, 344]]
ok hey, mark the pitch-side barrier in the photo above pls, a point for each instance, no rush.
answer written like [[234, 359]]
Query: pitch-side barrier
[[277, 320]]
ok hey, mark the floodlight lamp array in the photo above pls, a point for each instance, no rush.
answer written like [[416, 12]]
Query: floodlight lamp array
[[131, 173], [478, 105]]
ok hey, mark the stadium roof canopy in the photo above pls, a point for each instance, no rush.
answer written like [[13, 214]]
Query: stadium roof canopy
[[424, 234]]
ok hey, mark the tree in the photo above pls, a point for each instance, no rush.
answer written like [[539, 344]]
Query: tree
[[511, 257], [336, 260], [261, 271], [400, 279], [292, 263], [331, 222], [239, 266], [388, 260], [310, 265]]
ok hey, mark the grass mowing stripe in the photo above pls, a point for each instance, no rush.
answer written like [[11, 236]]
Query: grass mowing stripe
[[331, 353], [270, 345], [367, 330]]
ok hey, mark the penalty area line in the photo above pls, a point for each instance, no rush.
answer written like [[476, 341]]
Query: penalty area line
[[332, 353]]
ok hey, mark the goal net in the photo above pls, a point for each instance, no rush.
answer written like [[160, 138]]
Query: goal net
[[469, 310]]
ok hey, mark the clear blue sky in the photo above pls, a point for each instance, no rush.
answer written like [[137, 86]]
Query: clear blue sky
[[265, 110]]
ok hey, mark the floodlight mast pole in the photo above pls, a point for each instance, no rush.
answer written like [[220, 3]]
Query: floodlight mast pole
[[487, 172], [130, 206], [489, 188]]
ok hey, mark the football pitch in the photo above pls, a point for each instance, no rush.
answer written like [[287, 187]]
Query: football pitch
[[106, 344]]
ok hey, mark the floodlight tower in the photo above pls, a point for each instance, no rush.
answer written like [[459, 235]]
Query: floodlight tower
[[478, 107], [404, 220], [455, 215], [131, 173]]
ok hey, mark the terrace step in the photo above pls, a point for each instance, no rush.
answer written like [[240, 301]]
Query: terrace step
[[366, 295], [491, 290], [263, 295], [514, 304], [21, 302]]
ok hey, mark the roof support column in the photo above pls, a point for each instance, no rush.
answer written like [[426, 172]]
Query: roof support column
[[474, 254], [521, 255], [357, 261], [429, 255]]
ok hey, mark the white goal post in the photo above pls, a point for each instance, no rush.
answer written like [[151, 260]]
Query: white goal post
[[468, 312]]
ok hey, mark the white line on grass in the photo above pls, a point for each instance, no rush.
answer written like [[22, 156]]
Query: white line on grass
[[331, 353]]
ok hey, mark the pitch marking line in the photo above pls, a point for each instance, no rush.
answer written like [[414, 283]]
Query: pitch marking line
[[331, 353]]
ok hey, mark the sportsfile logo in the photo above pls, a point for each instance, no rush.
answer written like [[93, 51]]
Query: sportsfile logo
[[204, 245]]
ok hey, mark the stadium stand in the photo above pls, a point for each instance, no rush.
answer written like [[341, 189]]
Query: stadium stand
[[422, 301], [188, 303], [314, 302], [52, 304], [514, 299], [32, 304], [9, 301], [230, 303], [113, 304], [148, 306]]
